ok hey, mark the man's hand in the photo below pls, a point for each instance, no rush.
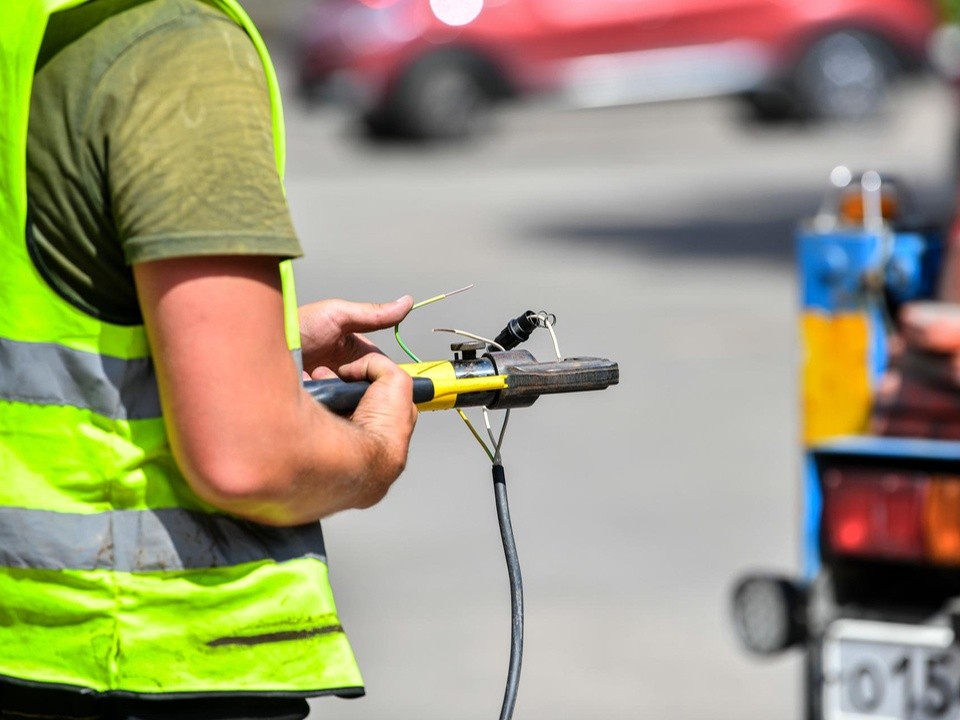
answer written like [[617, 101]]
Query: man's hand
[[386, 418], [333, 346], [920, 395], [932, 326], [330, 331]]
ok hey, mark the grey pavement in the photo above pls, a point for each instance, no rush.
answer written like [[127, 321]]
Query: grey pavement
[[661, 237]]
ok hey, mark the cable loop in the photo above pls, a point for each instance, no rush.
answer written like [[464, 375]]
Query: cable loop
[[545, 319]]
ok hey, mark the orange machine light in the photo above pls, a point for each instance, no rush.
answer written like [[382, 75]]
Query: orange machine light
[[942, 520], [850, 209]]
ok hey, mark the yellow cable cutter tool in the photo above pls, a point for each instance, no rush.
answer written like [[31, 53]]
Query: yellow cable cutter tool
[[496, 380]]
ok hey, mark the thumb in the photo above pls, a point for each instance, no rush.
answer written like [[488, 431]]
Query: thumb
[[933, 326]]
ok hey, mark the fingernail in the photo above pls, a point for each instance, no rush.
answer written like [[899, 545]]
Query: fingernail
[[402, 299]]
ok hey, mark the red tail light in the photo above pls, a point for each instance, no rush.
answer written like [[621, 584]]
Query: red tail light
[[900, 515], [874, 514]]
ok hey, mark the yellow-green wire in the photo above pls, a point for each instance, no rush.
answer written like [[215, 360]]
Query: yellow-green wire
[[403, 346], [476, 435], [435, 298]]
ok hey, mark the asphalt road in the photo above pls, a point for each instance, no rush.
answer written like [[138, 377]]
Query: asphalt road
[[662, 238]]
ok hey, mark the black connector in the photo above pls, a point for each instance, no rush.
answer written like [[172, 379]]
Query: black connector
[[517, 330]]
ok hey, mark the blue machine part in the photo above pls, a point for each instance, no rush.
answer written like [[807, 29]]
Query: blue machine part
[[812, 508], [914, 267], [873, 446], [835, 267]]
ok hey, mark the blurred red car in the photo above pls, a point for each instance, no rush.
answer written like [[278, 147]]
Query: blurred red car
[[429, 68]]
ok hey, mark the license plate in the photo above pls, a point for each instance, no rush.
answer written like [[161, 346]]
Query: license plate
[[874, 671]]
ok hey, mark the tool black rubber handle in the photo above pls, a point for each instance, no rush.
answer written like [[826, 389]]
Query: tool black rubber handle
[[343, 397]]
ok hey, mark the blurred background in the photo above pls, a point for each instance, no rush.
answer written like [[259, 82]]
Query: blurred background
[[638, 168]]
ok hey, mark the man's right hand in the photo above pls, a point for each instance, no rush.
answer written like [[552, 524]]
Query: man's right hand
[[386, 416]]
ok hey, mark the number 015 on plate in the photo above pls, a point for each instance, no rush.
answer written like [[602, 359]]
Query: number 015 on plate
[[876, 671]]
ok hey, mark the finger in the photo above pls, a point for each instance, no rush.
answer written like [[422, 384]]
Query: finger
[[371, 367], [321, 373], [353, 317], [350, 348], [388, 403], [932, 326]]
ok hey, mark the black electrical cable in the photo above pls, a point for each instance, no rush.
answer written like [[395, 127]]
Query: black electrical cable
[[517, 331], [516, 592]]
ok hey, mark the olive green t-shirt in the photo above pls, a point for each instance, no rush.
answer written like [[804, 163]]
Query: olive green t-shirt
[[150, 137]]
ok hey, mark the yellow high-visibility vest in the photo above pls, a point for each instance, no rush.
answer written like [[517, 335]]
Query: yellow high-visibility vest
[[114, 576]]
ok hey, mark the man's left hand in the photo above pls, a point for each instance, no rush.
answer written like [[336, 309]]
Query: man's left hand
[[331, 331]]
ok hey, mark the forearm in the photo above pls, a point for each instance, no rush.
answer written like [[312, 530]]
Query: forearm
[[303, 467], [246, 436]]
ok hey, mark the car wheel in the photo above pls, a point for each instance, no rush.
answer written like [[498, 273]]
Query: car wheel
[[439, 98], [843, 76]]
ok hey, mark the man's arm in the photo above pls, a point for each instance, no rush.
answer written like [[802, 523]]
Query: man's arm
[[248, 439]]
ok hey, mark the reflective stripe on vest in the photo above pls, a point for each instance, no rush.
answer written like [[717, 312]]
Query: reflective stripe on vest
[[51, 374], [146, 540]]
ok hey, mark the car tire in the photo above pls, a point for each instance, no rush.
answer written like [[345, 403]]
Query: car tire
[[309, 91], [770, 104], [441, 97], [843, 76]]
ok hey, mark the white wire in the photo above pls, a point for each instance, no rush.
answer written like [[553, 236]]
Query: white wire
[[472, 336], [486, 421], [497, 443], [556, 346]]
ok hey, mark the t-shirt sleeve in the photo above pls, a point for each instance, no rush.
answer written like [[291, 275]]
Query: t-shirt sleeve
[[184, 118]]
